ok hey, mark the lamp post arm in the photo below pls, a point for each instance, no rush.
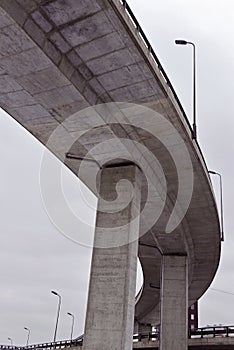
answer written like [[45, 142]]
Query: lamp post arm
[[56, 326], [28, 330], [194, 136], [58, 312], [72, 326], [185, 42]]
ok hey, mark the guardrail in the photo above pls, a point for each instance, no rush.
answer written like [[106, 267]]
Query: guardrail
[[215, 331], [52, 345], [153, 336], [203, 332], [9, 347], [56, 345]]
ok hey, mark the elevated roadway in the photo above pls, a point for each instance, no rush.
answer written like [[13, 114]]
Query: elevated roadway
[[60, 57], [226, 343]]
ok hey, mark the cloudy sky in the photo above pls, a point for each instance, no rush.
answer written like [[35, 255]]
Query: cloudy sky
[[36, 258], [209, 24]]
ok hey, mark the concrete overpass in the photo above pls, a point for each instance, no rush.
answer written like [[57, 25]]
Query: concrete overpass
[[207, 343], [59, 57]]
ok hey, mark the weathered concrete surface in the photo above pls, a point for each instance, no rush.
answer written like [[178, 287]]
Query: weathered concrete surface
[[218, 343], [56, 59], [193, 344], [111, 299], [146, 345], [174, 303]]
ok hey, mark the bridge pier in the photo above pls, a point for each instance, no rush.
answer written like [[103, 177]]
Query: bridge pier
[[111, 300], [174, 303]]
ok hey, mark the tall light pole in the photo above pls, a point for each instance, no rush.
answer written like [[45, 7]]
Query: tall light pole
[[59, 306], [70, 314], [184, 42], [221, 201], [28, 330], [10, 340]]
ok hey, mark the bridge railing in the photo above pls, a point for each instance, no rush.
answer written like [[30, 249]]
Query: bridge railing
[[9, 347], [52, 345], [203, 332], [215, 331], [153, 336], [56, 345]]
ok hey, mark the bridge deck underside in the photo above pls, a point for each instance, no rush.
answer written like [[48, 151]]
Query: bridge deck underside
[[58, 58]]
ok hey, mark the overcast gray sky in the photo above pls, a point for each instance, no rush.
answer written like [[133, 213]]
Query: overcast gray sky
[[35, 257]]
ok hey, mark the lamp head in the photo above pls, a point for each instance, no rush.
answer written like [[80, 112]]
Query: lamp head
[[181, 42]]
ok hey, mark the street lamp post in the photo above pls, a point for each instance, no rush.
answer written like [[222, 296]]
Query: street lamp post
[[70, 314], [10, 341], [184, 42], [28, 330], [59, 306], [221, 201]]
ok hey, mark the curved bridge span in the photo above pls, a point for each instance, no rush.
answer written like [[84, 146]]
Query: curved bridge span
[[58, 58]]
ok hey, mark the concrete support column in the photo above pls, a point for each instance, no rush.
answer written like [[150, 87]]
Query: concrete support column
[[174, 303], [111, 300]]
